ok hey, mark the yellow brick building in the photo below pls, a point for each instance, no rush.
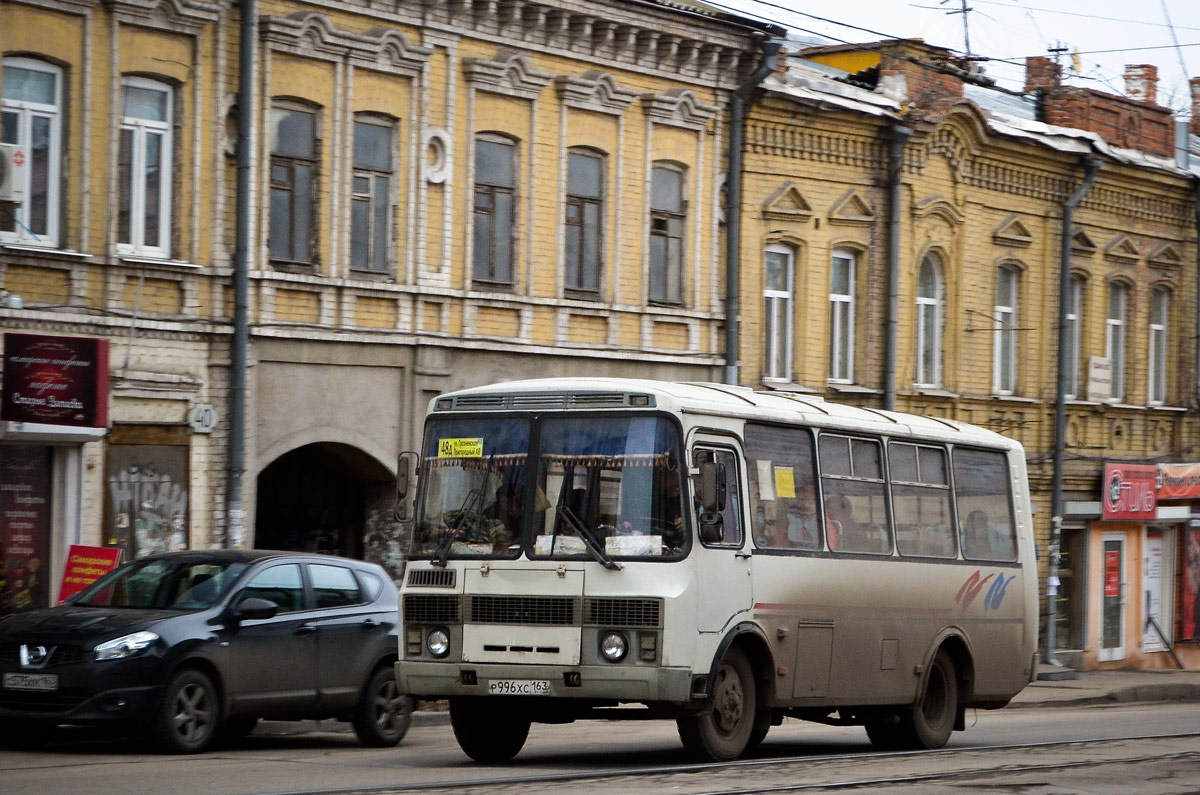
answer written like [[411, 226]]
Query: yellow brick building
[[441, 195], [980, 185]]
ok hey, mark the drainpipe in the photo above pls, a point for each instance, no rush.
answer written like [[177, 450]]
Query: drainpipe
[[1091, 165], [900, 136], [234, 513], [733, 210], [1196, 376]]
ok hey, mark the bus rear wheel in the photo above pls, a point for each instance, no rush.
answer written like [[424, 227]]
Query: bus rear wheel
[[928, 723], [488, 732], [722, 730]]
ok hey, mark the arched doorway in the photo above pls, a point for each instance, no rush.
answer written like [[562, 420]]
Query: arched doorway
[[321, 497]]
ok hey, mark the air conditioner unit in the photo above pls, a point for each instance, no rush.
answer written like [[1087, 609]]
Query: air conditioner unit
[[14, 160]]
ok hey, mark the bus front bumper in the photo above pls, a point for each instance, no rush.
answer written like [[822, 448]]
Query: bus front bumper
[[625, 683]]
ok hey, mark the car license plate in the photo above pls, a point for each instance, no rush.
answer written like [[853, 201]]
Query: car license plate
[[31, 681], [519, 687]]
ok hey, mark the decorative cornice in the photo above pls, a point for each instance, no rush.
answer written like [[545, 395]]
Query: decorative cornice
[[594, 90], [787, 203], [311, 34], [189, 15], [679, 107], [510, 73], [851, 210], [1165, 256], [1081, 244], [1012, 232], [1122, 249], [940, 207]]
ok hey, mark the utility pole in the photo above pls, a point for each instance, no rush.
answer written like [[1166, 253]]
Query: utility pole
[[966, 31]]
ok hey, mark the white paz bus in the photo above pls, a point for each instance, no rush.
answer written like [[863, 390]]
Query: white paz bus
[[610, 548]]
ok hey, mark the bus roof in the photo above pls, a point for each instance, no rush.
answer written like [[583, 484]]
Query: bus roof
[[704, 398]]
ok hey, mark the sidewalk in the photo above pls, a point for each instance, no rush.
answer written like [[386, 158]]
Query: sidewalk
[[1087, 688], [1108, 687]]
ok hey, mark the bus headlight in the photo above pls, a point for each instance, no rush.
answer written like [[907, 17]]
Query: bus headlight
[[613, 646], [438, 642]]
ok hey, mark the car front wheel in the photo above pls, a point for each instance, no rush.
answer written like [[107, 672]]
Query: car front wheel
[[188, 715], [384, 713]]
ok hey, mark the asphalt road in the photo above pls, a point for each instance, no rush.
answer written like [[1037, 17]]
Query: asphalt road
[[618, 757]]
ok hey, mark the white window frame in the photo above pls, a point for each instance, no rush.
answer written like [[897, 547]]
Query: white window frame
[[1004, 331], [1160, 308], [841, 319], [369, 197], [1115, 342], [930, 324], [26, 112], [1074, 351], [778, 307], [141, 130]]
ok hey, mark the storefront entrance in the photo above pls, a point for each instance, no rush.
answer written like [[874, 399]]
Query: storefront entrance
[[1113, 587]]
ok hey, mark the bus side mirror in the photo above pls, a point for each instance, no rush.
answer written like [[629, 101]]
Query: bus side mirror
[[712, 487], [406, 473]]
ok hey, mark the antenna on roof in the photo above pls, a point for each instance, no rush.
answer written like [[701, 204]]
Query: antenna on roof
[[966, 32], [1057, 50]]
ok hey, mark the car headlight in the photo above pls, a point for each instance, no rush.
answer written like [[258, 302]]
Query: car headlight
[[438, 642], [124, 646], [613, 646]]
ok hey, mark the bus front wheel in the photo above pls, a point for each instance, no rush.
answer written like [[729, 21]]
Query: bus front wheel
[[721, 731], [488, 732], [928, 723]]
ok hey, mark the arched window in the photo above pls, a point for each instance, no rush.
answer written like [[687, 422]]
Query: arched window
[[778, 281], [495, 210], [31, 115], [930, 306], [1115, 332], [1004, 330], [668, 220], [841, 315], [583, 252], [1160, 306], [144, 167]]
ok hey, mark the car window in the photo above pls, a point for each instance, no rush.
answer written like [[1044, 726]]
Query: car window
[[371, 584], [334, 586], [279, 584], [190, 583]]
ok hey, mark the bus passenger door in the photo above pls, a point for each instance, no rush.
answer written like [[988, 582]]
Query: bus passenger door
[[723, 566]]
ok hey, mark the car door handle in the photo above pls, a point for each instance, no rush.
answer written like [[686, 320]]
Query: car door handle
[[305, 629], [370, 624]]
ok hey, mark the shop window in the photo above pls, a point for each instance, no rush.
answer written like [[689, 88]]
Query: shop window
[[25, 522], [147, 490]]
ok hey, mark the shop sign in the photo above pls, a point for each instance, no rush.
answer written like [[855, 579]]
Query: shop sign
[[1129, 491], [55, 380], [1179, 481], [24, 527], [84, 566]]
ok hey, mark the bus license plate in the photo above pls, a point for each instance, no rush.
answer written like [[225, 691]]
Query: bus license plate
[[31, 681], [519, 687]]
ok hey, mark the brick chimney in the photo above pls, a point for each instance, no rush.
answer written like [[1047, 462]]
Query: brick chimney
[[1194, 126], [1041, 72], [1141, 82]]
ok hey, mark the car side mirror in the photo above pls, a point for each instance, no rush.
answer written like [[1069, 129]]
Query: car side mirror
[[406, 472], [254, 608]]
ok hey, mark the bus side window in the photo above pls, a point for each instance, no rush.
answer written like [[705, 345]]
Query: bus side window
[[725, 528]]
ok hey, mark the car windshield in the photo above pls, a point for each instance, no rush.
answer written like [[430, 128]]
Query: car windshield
[[191, 583], [600, 487]]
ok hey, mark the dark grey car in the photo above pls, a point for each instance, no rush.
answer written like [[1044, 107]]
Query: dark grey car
[[198, 646]]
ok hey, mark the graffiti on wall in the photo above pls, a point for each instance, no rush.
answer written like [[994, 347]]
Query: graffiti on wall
[[148, 499]]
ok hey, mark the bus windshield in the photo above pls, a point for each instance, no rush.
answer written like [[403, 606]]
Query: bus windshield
[[604, 488]]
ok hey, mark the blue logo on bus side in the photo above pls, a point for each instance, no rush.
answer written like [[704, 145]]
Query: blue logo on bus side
[[995, 594]]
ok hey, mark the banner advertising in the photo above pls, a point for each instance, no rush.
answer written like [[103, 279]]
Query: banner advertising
[[1190, 596], [1129, 491], [24, 527], [1179, 481], [84, 566], [55, 380]]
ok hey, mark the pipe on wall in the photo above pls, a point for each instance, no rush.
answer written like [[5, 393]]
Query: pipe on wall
[[1091, 165], [733, 210], [900, 136]]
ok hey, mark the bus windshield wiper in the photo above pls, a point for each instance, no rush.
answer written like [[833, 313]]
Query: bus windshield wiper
[[589, 539]]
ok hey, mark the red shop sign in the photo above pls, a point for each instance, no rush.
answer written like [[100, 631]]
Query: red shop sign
[[1128, 491], [55, 380], [84, 566]]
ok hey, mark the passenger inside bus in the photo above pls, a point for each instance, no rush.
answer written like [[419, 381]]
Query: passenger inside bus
[[981, 540], [803, 529]]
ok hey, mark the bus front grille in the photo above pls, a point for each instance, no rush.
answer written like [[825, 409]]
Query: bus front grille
[[556, 611], [429, 609], [622, 612]]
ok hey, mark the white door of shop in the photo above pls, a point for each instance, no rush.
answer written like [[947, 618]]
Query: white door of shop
[[1113, 588], [1158, 554]]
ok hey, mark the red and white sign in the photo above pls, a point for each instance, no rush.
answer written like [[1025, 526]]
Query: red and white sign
[[1112, 572], [84, 566], [1128, 491]]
